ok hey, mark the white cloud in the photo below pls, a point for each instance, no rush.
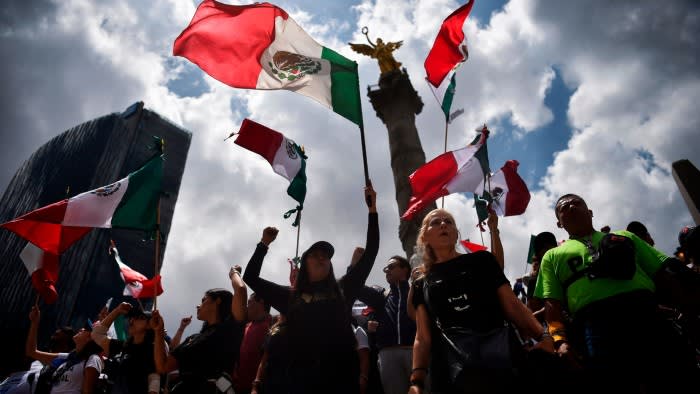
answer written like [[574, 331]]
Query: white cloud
[[636, 88]]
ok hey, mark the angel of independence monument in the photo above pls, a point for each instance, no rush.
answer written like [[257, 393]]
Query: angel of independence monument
[[397, 103]]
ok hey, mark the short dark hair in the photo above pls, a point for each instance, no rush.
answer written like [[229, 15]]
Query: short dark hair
[[543, 240], [568, 195], [403, 262], [637, 228]]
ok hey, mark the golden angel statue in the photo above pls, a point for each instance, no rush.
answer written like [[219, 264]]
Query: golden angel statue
[[380, 51]]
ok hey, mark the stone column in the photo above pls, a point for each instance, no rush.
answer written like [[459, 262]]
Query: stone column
[[397, 104], [687, 177]]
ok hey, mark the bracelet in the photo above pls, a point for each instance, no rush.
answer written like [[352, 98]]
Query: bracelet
[[255, 383], [419, 369], [417, 383], [557, 331], [496, 231], [545, 334]]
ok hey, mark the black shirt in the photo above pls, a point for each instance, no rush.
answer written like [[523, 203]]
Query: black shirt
[[129, 366], [213, 351], [321, 343], [462, 292]]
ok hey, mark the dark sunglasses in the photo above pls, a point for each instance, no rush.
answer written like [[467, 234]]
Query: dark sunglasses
[[391, 267]]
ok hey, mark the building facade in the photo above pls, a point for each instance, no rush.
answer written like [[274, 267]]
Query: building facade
[[87, 156]]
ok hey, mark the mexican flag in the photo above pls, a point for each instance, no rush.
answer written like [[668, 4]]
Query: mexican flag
[[258, 46], [284, 155], [136, 284], [444, 94], [531, 249], [450, 47], [472, 247], [508, 192], [459, 171], [128, 203], [43, 268]]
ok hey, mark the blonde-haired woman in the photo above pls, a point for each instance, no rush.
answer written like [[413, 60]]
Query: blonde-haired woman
[[463, 303]]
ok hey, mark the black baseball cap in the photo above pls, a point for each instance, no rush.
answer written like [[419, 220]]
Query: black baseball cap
[[138, 313], [320, 245]]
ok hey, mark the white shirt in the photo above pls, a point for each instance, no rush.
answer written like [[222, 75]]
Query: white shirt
[[361, 336], [71, 380]]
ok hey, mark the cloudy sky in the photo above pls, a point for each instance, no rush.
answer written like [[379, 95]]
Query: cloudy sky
[[595, 97]]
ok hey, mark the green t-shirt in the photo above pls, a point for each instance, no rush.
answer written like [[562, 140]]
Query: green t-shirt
[[554, 271]]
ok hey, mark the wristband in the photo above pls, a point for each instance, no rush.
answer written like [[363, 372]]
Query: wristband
[[557, 331], [545, 334], [417, 383]]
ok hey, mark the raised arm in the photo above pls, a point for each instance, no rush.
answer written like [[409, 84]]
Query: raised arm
[[239, 306], [410, 308], [184, 322], [164, 362], [276, 295], [30, 346], [99, 331], [353, 281], [496, 245]]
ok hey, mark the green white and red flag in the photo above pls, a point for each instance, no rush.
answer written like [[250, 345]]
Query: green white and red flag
[[136, 284], [259, 46], [460, 171], [449, 49], [471, 247], [508, 194], [43, 268], [129, 203], [284, 155]]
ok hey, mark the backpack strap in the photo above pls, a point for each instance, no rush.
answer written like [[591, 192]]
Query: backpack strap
[[577, 274]]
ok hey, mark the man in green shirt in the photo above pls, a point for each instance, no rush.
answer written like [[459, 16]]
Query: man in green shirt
[[623, 341]]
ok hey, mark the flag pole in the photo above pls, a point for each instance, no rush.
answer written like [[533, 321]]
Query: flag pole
[[298, 232], [364, 155], [447, 123], [156, 273], [368, 199]]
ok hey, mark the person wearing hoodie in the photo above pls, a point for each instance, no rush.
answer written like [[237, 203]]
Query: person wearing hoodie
[[396, 331]]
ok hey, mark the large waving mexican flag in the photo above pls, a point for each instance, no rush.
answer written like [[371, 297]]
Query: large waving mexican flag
[[127, 203], [258, 46]]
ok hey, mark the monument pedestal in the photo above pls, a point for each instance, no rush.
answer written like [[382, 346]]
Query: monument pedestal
[[397, 103]]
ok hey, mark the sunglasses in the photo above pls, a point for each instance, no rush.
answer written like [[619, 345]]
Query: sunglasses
[[391, 267]]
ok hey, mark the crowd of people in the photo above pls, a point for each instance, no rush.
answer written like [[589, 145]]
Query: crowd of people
[[601, 312]]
